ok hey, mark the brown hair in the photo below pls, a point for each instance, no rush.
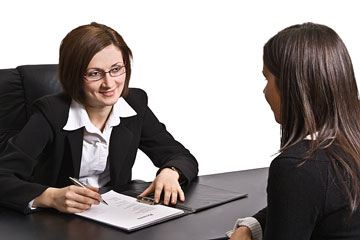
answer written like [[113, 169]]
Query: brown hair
[[318, 92], [78, 48]]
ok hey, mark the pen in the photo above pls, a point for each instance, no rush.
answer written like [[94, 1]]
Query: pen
[[80, 184]]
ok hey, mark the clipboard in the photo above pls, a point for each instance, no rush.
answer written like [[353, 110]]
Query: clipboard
[[198, 196]]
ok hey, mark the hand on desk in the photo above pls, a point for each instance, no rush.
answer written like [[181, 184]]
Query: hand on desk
[[167, 181], [242, 233], [71, 199]]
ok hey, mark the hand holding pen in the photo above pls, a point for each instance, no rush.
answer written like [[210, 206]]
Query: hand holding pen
[[69, 199], [80, 184]]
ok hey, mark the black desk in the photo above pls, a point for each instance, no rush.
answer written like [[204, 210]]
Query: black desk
[[207, 224]]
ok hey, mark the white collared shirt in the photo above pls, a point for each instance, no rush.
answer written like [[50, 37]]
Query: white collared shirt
[[94, 168]]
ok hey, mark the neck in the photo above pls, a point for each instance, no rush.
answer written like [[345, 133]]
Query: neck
[[98, 116]]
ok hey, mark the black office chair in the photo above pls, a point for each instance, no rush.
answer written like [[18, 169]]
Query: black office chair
[[19, 88]]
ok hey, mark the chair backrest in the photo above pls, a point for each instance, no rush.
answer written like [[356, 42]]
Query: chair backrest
[[19, 88]]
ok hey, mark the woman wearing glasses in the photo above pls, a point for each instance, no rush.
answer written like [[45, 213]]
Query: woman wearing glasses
[[313, 185], [92, 131]]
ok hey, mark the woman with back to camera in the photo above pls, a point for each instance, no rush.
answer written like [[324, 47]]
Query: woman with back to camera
[[313, 185], [92, 131]]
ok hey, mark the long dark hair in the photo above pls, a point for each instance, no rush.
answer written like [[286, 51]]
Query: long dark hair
[[78, 48], [319, 96]]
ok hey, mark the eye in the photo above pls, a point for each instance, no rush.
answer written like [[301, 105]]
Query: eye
[[116, 69], [93, 74]]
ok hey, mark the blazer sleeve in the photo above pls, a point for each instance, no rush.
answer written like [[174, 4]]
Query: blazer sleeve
[[295, 197], [161, 147], [261, 218], [19, 160]]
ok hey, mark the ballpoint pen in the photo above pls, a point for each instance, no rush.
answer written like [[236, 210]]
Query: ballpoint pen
[[80, 184]]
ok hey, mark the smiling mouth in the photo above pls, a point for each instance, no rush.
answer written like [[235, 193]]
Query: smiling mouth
[[108, 93]]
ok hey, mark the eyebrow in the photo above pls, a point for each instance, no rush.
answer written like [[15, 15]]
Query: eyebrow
[[95, 68]]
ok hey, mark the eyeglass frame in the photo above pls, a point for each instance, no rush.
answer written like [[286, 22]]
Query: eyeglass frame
[[103, 73]]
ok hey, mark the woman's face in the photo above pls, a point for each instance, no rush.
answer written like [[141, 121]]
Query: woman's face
[[105, 92], [272, 94]]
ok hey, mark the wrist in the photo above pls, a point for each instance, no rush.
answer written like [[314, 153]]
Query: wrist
[[244, 230], [177, 171], [172, 171], [252, 224], [181, 179], [44, 199]]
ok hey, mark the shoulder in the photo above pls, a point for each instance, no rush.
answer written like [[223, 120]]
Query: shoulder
[[137, 99], [136, 95], [59, 100], [291, 167], [296, 155], [55, 108]]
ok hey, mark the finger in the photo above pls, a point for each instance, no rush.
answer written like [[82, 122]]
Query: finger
[[74, 210], [158, 189], [83, 195], [174, 195], [87, 192], [72, 206], [167, 194], [181, 194], [95, 189], [148, 190]]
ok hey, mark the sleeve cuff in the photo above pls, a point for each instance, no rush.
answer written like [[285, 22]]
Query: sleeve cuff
[[30, 205], [252, 224]]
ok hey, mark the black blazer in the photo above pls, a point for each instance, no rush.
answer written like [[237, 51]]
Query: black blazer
[[43, 154]]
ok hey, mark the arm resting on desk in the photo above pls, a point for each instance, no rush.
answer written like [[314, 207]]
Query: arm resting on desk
[[252, 224]]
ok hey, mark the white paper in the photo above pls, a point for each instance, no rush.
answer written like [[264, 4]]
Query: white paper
[[126, 213]]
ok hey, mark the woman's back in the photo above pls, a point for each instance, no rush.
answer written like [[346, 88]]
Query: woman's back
[[307, 201]]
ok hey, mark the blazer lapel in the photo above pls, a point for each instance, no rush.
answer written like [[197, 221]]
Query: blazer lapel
[[120, 141], [76, 142], [70, 164]]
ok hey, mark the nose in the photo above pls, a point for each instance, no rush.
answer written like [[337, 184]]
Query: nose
[[107, 80], [266, 87]]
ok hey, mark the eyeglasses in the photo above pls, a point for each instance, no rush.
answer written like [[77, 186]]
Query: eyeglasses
[[97, 74]]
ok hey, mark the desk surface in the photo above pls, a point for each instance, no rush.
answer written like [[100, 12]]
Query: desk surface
[[206, 224]]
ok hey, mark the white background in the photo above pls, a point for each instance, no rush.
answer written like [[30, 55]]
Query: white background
[[199, 61]]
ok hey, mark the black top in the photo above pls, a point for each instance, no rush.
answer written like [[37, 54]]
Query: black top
[[43, 154], [307, 201]]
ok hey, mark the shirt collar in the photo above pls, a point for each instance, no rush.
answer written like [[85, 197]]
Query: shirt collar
[[79, 118]]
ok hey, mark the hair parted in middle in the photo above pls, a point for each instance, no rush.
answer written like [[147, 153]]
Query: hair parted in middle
[[78, 48]]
